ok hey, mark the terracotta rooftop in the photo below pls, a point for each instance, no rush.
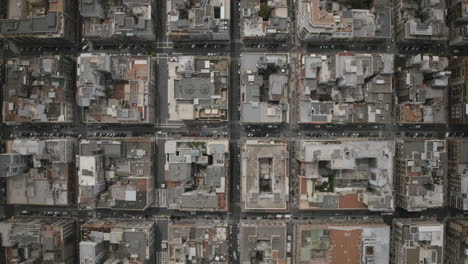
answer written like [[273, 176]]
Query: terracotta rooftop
[[346, 246], [320, 17], [410, 113], [350, 201]]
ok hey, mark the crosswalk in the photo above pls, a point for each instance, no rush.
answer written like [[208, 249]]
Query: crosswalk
[[161, 55], [161, 257], [165, 44], [168, 125], [160, 197]]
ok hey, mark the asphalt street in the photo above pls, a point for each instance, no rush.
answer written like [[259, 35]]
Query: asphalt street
[[164, 129]]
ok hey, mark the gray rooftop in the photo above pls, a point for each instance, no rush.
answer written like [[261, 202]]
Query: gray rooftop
[[192, 88], [107, 22], [180, 171]]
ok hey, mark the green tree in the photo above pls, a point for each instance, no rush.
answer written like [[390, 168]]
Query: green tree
[[265, 11]]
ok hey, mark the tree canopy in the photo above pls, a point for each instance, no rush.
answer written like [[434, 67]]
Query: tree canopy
[[265, 11]]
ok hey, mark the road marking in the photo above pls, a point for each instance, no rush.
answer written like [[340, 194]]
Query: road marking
[[164, 44], [168, 125], [161, 257]]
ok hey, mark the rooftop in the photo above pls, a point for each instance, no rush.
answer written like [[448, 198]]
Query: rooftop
[[422, 88], [264, 88], [39, 19], [345, 88], [116, 173], [273, 26], [113, 240], [38, 239], [346, 174], [115, 89], [457, 21], [197, 174], [39, 89], [421, 173], [458, 110], [417, 240], [264, 175], [128, 20], [198, 88], [262, 241], [324, 21], [39, 172], [198, 20], [458, 172], [422, 21], [199, 241], [342, 242]]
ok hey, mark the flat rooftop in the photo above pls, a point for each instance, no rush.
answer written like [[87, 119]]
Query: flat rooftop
[[197, 174], [327, 21], [116, 173], [265, 175], [417, 238], [264, 88], [208, 237], [198, 88], [422, 89], [346, 174], [128, 240], [44, 171], [254, 26], [198, 20], [45, 21], [341, 242], [108, 22], [422, 174], [262, 241], [115, 89], [39, 89], [345, 88]]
